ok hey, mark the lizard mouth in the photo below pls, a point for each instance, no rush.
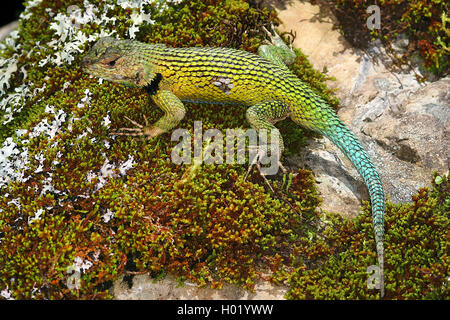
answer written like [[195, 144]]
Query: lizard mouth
[[85, 62], [88, 66]]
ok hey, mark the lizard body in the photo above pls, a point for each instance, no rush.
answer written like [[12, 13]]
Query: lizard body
[[228, 76]]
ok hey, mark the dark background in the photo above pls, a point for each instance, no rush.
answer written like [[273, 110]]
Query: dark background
[[10, 11]]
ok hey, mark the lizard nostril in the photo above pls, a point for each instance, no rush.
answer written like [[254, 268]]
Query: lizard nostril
[[85, 61]]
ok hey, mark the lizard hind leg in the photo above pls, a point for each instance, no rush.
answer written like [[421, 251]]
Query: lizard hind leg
[[262, 117], [277, 51]]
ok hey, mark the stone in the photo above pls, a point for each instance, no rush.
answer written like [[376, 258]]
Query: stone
[[5, 30], [146, 288], [400, 43], [412, 139]]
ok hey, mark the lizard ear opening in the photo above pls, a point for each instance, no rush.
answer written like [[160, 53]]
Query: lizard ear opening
[[153, 86]]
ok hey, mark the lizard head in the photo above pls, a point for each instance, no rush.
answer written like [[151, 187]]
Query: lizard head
[[118, 61]]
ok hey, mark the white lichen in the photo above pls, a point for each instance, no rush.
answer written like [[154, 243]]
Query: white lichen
[[68, 43], [71, 37], [108, 216], [37, 215], [6, 294]]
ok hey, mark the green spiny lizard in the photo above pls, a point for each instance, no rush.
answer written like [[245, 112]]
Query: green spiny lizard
[[228, 76]]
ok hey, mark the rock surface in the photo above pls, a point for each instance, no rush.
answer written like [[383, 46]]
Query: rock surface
[[6, 29], [411, 131], [144, 288]]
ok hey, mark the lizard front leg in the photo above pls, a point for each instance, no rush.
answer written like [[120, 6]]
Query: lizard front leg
[[174, 112]]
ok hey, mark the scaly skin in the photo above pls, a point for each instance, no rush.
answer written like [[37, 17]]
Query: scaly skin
[[228, 76]]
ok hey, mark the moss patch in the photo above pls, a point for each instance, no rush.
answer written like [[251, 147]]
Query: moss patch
[[416, 249]]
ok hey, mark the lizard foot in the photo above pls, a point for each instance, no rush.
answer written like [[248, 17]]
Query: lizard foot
[[275, 38], [140, 130], [284, 184], [276, 50], [256, 161]]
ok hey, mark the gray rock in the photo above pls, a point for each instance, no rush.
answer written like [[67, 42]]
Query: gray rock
[[400, 43], [146, 288], [412, 140], [6, 29], [403, 125]]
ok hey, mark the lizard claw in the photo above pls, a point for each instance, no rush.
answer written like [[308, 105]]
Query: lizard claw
[[138, 124], [275, 38], [139, 130], [256, 161]]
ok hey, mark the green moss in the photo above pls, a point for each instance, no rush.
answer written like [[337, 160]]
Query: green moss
[[416, 249]]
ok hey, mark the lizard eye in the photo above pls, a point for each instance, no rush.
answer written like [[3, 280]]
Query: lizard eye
[[110, 63]]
